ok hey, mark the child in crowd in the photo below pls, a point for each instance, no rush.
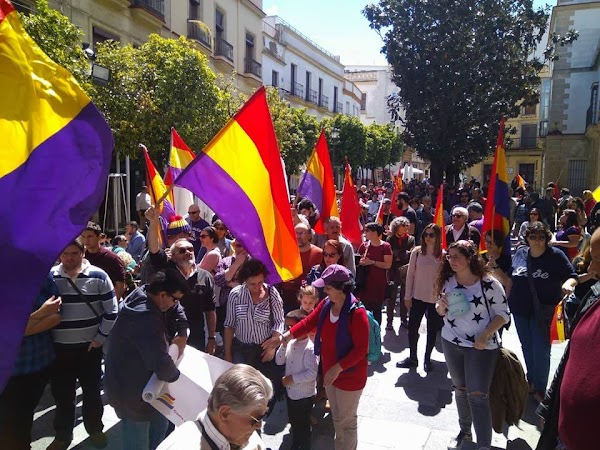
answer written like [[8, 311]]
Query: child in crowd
[[300, 381], [308, 297]]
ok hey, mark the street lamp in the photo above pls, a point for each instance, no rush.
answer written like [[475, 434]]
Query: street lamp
[[99, 74]]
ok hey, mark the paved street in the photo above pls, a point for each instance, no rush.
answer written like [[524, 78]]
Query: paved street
[[398, 409]]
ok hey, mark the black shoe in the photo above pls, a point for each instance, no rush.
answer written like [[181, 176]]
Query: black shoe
[[428, 366], [458, 441], [389, 327], [407, 363]]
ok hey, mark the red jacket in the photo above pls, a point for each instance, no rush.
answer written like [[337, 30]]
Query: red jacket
[[356, 378]]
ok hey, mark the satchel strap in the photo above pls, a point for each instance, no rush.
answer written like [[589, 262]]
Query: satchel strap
[[82, 297]]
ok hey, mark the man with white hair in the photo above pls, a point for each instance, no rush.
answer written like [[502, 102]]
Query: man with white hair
[[333, 230], [236, 408], [459, 230], [199, 304]]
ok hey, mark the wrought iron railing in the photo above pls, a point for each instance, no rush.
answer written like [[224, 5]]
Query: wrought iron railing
[[156, 7], [223, 48], [198, 31], [253, 67], [298, 90]]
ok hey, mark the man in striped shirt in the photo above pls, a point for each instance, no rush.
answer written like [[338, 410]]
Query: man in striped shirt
[[88, 312]]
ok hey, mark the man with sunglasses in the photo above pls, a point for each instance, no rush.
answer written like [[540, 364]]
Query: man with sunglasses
[[139, 346], [460, 230], [199, 304], [197, 224]]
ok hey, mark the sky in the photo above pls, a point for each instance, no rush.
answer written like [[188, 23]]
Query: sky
[[338, 26]]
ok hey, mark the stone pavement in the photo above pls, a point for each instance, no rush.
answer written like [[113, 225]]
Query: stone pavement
[[399, 408]]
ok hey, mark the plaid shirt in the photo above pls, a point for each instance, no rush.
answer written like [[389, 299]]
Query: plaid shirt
[[37, 351]]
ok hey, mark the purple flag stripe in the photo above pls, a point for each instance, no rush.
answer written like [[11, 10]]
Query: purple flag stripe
[[312, 189], [47, 202], [224, 196]]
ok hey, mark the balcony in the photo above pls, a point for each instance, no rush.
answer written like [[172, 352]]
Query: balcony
[[523, 143], [198, 31], [154, 7], [253, 67], [312, 96], [324, 101], [223, 48], [339, 108], [298, 90]]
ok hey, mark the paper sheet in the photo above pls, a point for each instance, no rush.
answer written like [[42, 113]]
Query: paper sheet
[[187, 397], [154, 385]]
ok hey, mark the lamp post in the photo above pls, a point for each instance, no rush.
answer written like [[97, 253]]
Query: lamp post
[[99, 74]]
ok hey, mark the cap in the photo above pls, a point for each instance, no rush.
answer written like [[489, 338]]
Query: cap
[[333, 273]]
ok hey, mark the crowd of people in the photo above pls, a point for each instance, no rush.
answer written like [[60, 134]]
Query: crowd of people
[[125, 300]]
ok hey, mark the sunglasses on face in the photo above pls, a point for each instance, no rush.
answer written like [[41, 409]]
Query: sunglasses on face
[[329, 255], [429, 235], [202, 236], [220, 228], [193, 212], [257, 420], [457, 215], [184, 250]]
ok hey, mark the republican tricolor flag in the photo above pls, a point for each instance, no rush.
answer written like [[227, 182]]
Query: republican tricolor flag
[[497, 208], [239, 175], [180, 156], [55, 151], [317, 183]]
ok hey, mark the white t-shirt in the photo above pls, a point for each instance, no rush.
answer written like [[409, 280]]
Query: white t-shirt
[[462, 330]]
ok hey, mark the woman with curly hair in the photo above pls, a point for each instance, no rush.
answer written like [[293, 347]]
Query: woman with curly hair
[[474, 308]]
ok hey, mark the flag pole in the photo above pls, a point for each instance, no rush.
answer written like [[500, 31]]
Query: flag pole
[[169, 188]]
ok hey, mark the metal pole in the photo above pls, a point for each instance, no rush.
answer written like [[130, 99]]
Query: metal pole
[[115, 192], [128, 187]]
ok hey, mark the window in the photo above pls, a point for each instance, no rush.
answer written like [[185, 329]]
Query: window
[[527, 171], [293, 69], [274, 78], [335, 100], [220, 24], [320, 92], [528, 136], [308, 76], [99, 35], [194, 9], [577, 176], [528, 110], [348, 108], [487, 174], [249, 46], [363, 102]]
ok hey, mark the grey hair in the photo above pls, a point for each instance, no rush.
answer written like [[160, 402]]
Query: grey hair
[[241, 388], [397, 222]]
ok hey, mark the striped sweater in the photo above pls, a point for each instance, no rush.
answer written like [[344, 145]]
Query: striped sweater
[[79, 325]]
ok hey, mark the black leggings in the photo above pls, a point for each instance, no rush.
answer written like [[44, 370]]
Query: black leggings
[[434, 324]]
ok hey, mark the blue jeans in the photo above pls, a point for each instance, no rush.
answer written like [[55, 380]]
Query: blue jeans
[[471, 371], [144, 435], [536, 350]]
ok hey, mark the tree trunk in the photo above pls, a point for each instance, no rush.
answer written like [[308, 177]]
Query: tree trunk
[[436, 173], [452, 175]]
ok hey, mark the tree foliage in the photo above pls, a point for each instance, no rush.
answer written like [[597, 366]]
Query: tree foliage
[[460, 65], [59, 39], [163, 83]]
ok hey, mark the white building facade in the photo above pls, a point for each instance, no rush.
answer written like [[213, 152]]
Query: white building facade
[[306, 74]]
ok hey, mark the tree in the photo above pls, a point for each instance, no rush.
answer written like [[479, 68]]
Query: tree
[[59, 39], [460, 65], [348, 141], [163, 83]]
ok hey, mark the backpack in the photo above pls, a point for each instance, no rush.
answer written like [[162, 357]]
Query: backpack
[[374, 334], [374, 352]]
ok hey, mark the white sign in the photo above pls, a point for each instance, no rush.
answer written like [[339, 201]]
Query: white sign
[[187, 397]]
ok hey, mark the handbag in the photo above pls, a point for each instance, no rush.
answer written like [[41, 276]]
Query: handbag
[[543, 313]]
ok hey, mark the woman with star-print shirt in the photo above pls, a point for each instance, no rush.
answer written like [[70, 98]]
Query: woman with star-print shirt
[[469, 336]]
